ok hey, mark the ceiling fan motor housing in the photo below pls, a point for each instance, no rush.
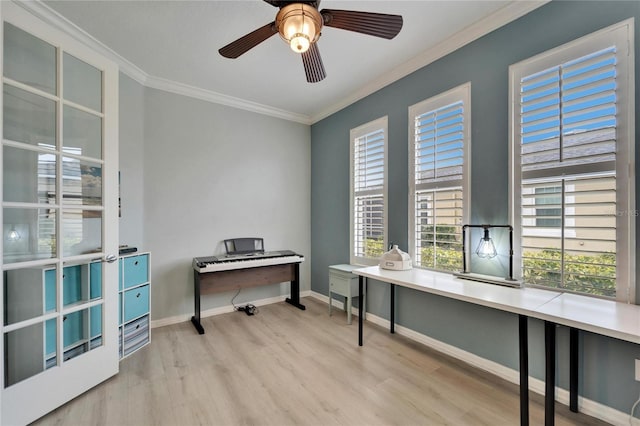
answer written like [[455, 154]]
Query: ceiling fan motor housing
[[299, 25]]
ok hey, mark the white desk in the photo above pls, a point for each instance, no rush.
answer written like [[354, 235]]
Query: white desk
[[605, 317]]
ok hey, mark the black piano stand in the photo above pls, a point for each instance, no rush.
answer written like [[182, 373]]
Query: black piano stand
[[197, 292], [295, 290]]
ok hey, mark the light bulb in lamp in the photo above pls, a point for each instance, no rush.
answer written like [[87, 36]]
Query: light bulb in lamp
[[486, 249], [299, 25]]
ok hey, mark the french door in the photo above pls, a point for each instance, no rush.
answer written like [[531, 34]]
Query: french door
[[59, 215]]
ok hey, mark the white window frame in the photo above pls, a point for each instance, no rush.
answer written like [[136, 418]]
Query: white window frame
[[622, 35], [356, 133], [457, 94]]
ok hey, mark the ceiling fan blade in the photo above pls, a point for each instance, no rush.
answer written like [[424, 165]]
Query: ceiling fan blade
[[249, 41], [374, 24], [312, 62]]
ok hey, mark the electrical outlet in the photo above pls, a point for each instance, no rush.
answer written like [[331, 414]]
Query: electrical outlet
[[638, 370]]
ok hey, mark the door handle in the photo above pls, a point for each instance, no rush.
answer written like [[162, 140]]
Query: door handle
[[110, 258]]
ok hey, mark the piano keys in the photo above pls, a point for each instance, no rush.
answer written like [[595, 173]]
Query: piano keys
[[243, 261], [215, 274]]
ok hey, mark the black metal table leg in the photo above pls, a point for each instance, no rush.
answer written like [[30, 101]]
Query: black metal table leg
[[574, 362], [360, 310], [392, 315], [550, 373], [524, 369]]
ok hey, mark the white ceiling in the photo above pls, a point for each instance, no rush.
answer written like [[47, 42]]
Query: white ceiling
[[174, 45]]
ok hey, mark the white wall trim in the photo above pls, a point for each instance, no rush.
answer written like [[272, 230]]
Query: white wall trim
[[586, 406], [53, 18], [221, 310], [219, 98], [508, 13], [61, 23]]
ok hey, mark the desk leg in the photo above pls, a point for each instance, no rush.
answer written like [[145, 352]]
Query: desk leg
[[392, 315], [574, 362], [550, 372], [524, 370], [295, 289], [360, 310], [195, 319]]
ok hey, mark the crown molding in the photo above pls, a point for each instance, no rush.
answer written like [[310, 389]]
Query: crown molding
[[53, 18], [218, 98], [506, 14]]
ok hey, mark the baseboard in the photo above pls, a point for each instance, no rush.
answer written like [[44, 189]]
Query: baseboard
[[222, 310], [586, 406]]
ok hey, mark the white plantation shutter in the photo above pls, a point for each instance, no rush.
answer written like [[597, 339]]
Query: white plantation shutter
[[568, 116], [572, 146], [439, 142], [368, 182], [438, 146]]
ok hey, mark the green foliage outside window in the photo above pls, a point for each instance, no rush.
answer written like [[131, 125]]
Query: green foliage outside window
[[446, 259], [447, 250], [373, 247], [586, 274]]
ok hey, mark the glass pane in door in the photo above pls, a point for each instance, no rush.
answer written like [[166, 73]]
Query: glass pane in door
[[29, 234], [28, 176], [81, 232], [82, 182], [81, 331], [82, 83], [20, 358], [29, 60], [29, 293], [29, 118], [82, 133]]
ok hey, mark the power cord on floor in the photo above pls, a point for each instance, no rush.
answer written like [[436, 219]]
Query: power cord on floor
[[248, 309], [235, 308]]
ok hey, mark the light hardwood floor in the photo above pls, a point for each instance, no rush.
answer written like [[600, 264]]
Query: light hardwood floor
[[285, 366]]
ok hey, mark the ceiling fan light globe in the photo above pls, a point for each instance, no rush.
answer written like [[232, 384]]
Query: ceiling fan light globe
[[300, 43]]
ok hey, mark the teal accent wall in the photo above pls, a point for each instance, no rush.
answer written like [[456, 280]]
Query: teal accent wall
[[607, 365]]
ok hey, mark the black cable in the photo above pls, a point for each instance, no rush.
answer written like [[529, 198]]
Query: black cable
[[236, 308], [248, 309]]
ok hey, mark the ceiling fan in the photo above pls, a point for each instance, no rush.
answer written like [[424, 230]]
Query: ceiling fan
[[300, 23]]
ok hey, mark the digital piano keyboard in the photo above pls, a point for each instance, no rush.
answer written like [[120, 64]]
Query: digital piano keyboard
[[242, 261]]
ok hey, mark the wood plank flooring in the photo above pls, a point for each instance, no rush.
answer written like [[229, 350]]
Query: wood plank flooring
[[285, 366]]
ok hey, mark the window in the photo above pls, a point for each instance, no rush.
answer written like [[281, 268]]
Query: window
[[548, 212], [439, 130], [572, 157], [368, 192]]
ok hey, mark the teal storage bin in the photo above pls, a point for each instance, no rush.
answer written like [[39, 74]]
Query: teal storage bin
[[136, 302], [135, 270]]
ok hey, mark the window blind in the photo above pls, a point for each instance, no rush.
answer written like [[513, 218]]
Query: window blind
[[438, 146], [439, 143], [568, 116], [368, 197], [568, 182]]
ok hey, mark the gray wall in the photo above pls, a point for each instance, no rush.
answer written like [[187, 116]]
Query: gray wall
[[131, 162], [194, 173], [607, 373]]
